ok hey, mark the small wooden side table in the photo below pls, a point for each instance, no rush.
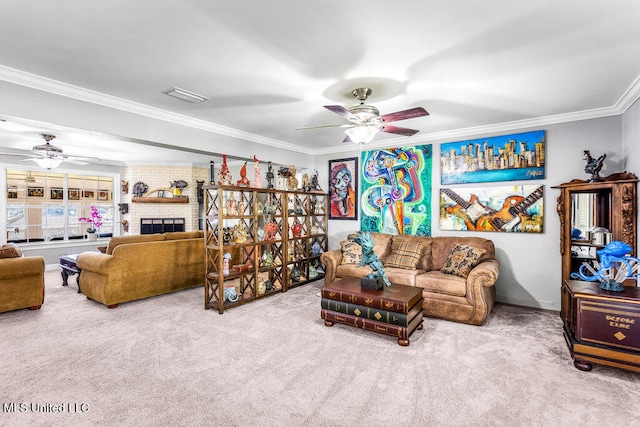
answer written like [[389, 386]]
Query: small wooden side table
[[69, 268]]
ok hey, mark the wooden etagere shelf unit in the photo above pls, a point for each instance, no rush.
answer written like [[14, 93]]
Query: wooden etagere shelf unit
[[272, 240], [600, 326]]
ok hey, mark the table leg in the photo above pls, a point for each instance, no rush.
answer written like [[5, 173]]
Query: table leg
[[78, 282], [65, 276]]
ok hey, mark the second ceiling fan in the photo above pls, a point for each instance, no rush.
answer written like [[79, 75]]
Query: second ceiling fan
[[365, 120]]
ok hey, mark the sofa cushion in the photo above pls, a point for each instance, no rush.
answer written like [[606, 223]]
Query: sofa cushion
[[351, 252], [133, 238], [404, 254], [462, 259], [442, 283], [402, 276]]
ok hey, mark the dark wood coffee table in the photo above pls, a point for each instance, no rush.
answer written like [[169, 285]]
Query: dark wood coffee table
[[395, 310], [69, 268]]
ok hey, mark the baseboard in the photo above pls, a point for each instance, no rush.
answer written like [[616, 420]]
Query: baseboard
[[544, 305]]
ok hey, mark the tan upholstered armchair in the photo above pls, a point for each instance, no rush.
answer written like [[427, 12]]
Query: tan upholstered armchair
[[21, 283]]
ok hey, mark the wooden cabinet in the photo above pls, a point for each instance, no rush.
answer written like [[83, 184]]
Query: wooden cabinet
[[601, 326], [584, 207], [260, 241]]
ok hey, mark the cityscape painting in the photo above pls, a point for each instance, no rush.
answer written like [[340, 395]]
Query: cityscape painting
[[396, 191], [511, 208], [512, 157]]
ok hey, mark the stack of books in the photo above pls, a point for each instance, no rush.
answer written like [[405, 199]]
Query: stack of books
[[395, 310]]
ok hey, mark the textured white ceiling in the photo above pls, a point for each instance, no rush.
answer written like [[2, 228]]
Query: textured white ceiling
[[268, 67]]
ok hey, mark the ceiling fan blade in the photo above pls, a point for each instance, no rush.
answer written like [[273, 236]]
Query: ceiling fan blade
[[398, 130], [75, 161], [404, 114], [323, 126], [341, 111]]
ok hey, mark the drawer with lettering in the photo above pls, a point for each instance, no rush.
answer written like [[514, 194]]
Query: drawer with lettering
[[609, 323]]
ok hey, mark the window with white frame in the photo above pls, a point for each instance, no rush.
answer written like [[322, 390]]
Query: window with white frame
[[45, 206]]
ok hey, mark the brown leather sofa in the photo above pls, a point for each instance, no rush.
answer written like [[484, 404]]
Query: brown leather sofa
[[446, 296], [21, 283], [140, 266]]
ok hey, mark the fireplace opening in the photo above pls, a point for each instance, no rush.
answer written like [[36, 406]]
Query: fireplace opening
[[161, 225]]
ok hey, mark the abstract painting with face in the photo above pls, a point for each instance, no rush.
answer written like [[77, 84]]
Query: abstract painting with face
[[396, 191], [343, 186]]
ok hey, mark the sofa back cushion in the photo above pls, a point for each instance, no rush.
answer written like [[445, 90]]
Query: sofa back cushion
[[382, 245], [441, 248], [178, 235], [133, 238], [10, 250], [424, 262]]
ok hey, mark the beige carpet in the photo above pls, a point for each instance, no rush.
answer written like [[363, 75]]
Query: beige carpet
[[167, 361]]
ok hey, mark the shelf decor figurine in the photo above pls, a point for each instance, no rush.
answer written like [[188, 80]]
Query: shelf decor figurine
[[224, 176], [257, 179], [270, 176], [177, 187], [244, 181], [241, 233], [316, 249], [230, 294], [270, 229], [267, 258], [594, 166], [315, 186], [225, 264], [614, 267], [296, 228], [377, 277]]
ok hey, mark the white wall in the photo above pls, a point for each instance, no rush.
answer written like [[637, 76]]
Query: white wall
[[631, 138], [530, 263]]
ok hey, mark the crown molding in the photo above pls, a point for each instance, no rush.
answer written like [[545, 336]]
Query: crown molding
[[452, 135], [45, 84], [22, 78]]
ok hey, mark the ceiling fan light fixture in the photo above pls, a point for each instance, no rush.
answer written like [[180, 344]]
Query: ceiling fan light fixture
[[48, 162], [185, 95], [362, 134]]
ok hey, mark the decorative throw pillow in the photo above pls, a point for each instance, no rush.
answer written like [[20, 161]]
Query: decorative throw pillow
[[351, 252], [405, 254], [462, 259], [9, 250]]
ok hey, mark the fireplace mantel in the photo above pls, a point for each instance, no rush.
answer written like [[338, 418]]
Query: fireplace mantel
[[184, 199]]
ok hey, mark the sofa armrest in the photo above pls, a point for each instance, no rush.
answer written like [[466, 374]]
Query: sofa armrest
[[331, 261], [484, 274], [12, 268], [97, 262], [481, 292]]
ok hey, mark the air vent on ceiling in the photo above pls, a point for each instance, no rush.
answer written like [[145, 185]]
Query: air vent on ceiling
[[185, 95]]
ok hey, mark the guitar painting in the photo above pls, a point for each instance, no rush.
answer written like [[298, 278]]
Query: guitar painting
[[499, 209]]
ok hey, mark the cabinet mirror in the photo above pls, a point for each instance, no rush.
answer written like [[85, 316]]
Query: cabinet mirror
[[589, 210]]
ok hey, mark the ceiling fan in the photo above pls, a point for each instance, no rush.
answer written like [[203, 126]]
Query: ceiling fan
[[49, 156], [365, 120]]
